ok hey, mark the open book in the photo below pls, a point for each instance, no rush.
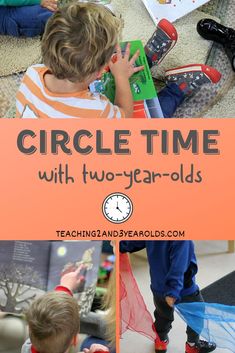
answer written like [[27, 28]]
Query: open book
[[30, 268], [171, 9], [146, 104]]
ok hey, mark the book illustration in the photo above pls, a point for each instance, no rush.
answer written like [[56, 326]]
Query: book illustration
[[141, 83], [87, 262], [84, 294], [85, 300], [87, 259], [67, 257], [19, 285], [29, 269], [172, 9]]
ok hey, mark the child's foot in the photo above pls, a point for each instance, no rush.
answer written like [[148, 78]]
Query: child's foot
[[200, 347], [191, 77], [162, 41], [161, 346]]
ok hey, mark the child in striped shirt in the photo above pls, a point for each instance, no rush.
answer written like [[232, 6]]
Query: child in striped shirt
[[78, 42]]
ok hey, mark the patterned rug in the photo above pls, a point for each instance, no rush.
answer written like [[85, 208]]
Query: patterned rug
[[208, 95], [17, 54], [196, 106], [8, 88]]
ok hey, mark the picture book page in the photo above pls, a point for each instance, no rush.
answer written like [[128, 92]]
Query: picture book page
[[68, 256], [23, 273], [171, 9]]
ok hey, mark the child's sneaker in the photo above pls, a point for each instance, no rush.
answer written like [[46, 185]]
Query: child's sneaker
[[161, 346], [162, 41], [200, 347], [191, 77]]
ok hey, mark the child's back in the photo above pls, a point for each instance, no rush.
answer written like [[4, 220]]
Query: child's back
[[35, 100]]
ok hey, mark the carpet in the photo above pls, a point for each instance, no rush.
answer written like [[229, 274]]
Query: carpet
[[221, 291], [224, 107], [199, 104], [17, 54], [8, 89]]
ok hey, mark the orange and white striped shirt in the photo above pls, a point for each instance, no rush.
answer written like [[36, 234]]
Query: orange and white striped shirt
[[34, 100]]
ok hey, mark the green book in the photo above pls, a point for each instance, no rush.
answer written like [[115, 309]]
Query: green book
[[142, 86]]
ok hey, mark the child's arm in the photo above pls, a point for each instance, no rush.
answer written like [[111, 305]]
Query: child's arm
[[132, 246], [180, 253], [122, 70], [71, 281]]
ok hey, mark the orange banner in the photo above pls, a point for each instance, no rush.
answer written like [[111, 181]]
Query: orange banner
[[87, 179]]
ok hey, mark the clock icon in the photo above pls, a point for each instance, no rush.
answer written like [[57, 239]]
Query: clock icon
[[117, 207]]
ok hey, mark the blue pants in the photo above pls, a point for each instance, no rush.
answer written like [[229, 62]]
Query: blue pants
[[170, 98], [27, 21]]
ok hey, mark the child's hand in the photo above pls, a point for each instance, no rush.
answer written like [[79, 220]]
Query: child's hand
[[96, 348], [49, 4], [72, 279], [123, 66], [170, 301]]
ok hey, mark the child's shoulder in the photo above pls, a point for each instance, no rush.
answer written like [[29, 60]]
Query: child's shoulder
[[35, 68]]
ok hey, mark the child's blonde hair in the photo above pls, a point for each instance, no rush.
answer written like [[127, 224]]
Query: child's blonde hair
[[110, 304], [53, 321], [79, 40]]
